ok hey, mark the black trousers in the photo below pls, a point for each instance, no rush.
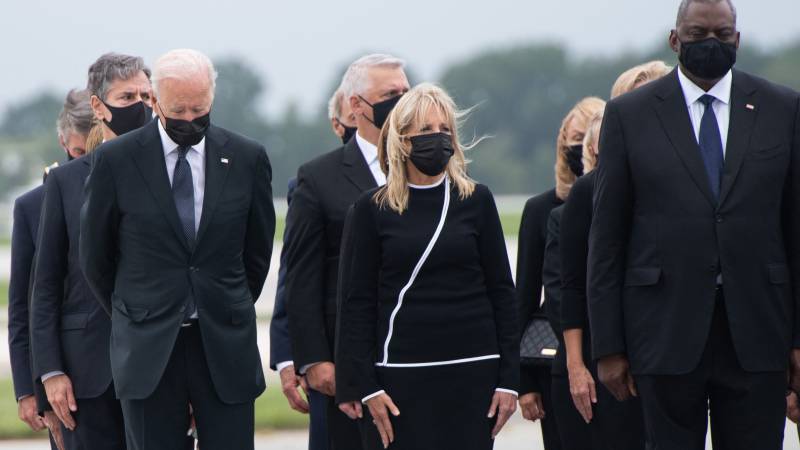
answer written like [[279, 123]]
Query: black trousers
[[99, 424], [614, 426], [747, 409], [343, 432], [160, 421], [549, 424], [318, 420]]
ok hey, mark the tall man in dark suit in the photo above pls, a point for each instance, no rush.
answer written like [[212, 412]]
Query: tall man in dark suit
[[69, 329], [176, 237], [693, 265], [326, 187], [73, 125]]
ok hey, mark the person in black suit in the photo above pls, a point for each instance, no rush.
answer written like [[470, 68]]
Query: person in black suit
[[326, 187], [176, 236], [692, 257], [536, 400], [69, 330], [73, 124]]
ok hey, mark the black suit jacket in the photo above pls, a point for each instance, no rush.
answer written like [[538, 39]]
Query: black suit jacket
[[141, 267], [659, 239], [280, 344], [23, 248], [69, 329], [326, 187]]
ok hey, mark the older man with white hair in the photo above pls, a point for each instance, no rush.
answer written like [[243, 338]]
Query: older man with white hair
[[326, 187], [176, 239]]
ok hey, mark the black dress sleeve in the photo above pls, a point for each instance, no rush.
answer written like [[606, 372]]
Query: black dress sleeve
[[500, 288], [576, 221], [355, 369]]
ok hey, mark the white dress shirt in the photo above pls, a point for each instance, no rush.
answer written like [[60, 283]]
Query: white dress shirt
[[370, 153], [722, 110]]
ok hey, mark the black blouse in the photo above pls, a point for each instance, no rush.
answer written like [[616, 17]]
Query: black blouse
[[403, 310]]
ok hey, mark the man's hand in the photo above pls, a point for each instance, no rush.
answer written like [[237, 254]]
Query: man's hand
[[290, 383], [531, 406], [794, 370], [503, 406], [61, 398], [380, 407], [53, 423], [583, 390], [792, 407], [322, 377], [353, 410], [614, 372], [28, 413]]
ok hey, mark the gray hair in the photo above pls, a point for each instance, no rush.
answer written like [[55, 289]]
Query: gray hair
[[335, 105], [354, 81], [111, 67], [684, 8], [183, 64], [76, 116]]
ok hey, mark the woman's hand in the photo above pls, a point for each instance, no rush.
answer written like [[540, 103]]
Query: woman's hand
[[583, 390], [380, 407], [503, 406], [352, 409], [531, 406]]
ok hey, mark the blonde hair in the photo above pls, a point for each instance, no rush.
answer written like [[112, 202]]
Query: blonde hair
[[592, 133], [95, 136], [579, 117], [394, 146], [638, 76]]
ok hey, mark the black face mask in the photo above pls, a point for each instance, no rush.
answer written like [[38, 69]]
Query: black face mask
[[187, 133], [709, 59], [575, 159], [349, 132], [128, 118], [381, 110], [430, 153]]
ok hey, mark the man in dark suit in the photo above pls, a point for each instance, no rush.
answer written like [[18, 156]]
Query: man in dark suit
[[176, 238], [69, 329], [326, 187], [74, 123], [693, 270]]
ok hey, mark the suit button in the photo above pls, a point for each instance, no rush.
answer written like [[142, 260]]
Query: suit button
[[720, 219], [193, 269]]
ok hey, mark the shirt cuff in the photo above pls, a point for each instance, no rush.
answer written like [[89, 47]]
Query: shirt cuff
[[507, 391], [282, 365], [23, 397], [305, 368], [49, 375], [371, 396]]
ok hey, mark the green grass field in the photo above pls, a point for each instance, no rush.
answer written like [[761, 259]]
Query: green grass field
[[272, 413], [3, 293]]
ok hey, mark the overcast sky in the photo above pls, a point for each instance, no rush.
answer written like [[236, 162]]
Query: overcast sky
[[297, 45]]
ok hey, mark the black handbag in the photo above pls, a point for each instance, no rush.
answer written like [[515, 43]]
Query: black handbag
[[539, 345]]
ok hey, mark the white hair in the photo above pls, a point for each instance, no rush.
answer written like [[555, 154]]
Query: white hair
[[355, 81], [183, 64], [335, 105]]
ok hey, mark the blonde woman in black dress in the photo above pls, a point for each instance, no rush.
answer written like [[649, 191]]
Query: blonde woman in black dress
[[429, 336]]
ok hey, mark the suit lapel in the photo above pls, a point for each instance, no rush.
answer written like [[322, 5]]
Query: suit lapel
[[217, 162], [355, 167], [742, 120], [674, 116], [153, 168]]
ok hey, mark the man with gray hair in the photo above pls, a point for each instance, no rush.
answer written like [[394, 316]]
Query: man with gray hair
[[343, 121], [74, 123], [176, 239], [326, 187]]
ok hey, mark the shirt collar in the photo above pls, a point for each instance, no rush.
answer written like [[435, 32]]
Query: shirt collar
[[692, 92], [170, 146], [369, 151]]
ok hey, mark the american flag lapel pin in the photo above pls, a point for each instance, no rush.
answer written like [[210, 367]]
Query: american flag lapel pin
[[223, 160], [750, 107]]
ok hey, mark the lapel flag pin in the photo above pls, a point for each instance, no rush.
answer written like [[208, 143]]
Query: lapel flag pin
[[223, 160], [749, 106]]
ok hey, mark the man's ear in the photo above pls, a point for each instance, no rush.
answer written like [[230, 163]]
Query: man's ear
[[674, 42], [98, 107], [62, 143]]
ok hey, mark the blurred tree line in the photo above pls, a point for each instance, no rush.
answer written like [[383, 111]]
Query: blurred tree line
[[520, 95]]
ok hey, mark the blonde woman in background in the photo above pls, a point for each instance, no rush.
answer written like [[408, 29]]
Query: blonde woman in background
[[639, 76], [428, 322]]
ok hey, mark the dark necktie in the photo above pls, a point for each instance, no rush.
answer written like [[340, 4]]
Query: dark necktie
[[711, 145], [183, 193]]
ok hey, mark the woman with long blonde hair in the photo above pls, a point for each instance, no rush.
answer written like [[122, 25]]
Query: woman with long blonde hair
[[428, 322]]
